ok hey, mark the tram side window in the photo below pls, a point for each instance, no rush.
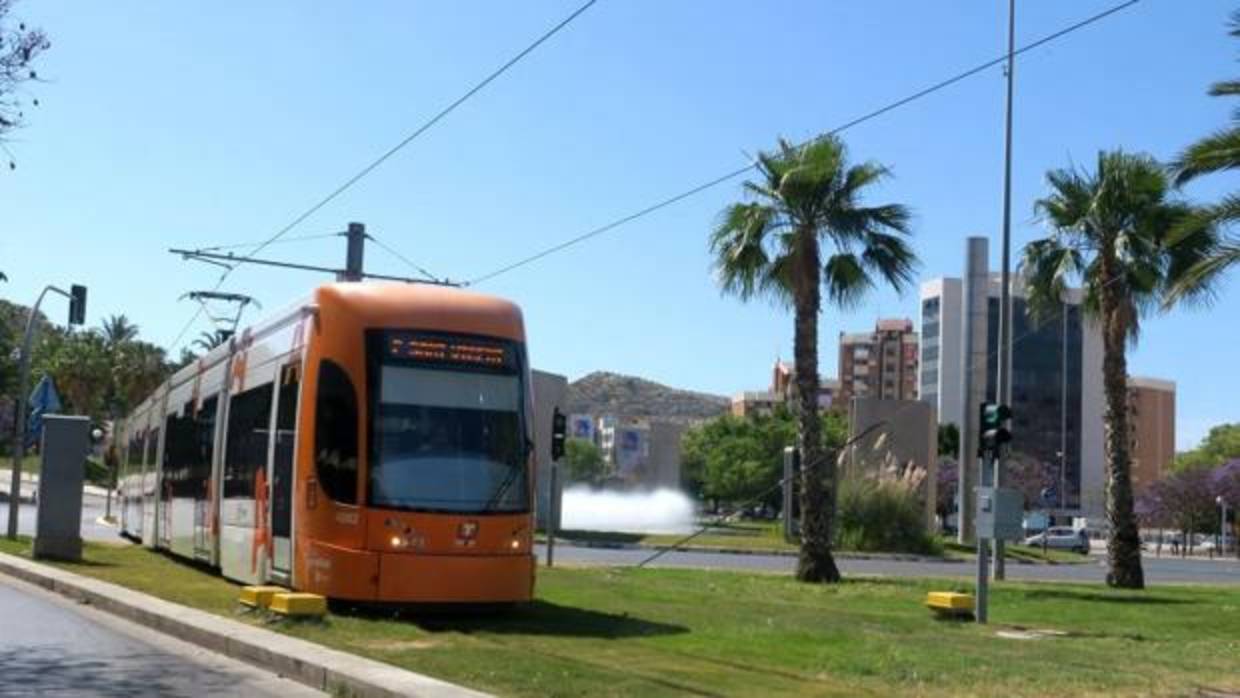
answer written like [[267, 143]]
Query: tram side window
[[282, 461], [179, 455], [137, 445], [152, 446], [204, 439], [335, 433], [249, 420]]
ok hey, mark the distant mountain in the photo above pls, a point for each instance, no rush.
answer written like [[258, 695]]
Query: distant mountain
[[601, 393]]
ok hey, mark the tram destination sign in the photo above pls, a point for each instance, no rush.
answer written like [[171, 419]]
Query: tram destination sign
[[450, 350]]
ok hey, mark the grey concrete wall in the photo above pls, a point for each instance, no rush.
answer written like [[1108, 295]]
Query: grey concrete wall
[[549, 391], [909, 434], [664, 465]]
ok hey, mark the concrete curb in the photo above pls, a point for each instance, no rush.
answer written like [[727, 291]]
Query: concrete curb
[[322, 668]]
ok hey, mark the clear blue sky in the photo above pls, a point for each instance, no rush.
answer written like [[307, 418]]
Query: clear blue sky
[[195, 124]]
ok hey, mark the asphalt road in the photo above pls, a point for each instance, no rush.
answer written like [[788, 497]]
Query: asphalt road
[[52, 646], [1157, 570]]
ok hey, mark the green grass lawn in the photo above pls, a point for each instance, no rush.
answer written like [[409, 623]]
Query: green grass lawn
[[610, 631], [768, 537]]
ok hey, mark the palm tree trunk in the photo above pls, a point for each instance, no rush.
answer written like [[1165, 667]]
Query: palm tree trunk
[[815, 562], [1124, 543]]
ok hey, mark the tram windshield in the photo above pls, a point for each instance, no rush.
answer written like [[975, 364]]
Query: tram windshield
[[446, 439]]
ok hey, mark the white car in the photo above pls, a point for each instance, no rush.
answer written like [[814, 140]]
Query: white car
[[1062, 538]]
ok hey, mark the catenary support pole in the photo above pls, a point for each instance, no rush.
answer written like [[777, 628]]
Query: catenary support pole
[[1003, 384], [974, 307], [356, 237]]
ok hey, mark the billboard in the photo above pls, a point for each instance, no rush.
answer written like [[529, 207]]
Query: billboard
[[631, 450], [581, 426]]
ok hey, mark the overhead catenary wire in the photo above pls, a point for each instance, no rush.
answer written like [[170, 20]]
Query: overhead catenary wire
[[426, 126], [411, 264], [664, 203]]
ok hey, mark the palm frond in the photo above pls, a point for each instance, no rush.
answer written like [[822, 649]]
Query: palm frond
[[738, 246], [1217, 151], [846, 279], [1225, 88]]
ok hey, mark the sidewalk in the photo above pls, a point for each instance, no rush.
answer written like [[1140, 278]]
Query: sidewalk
[[30, 486], [328, 670]]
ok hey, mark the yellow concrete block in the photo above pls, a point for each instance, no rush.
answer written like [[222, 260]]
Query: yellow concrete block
[[298, 604], [259, 596], [950, 601]]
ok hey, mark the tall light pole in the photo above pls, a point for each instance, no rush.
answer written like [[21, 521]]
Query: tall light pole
[[1003, 384]]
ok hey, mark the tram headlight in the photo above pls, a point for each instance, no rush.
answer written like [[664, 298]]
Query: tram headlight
[[515, 544], [398, 542]]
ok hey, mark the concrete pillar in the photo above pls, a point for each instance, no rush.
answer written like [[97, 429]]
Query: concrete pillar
[[975, 308]]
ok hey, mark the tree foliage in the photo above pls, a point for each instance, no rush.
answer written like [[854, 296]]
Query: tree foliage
[[102, 373], [19, 47], [949, 440], [1216, 152], [584, 461], [1220, 445], [734, 460]]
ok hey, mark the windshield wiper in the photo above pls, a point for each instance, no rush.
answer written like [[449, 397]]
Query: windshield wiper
[[498, 494]]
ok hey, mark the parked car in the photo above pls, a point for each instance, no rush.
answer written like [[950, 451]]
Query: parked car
[[1062, 538]]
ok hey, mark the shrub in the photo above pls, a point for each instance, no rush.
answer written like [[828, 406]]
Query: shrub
[[881, 515]]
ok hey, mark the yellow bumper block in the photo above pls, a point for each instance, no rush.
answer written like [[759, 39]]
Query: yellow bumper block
[[298, 604], [259, 596], [950, 602]]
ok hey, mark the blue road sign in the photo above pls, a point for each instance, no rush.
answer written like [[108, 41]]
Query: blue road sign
[[43, 400]]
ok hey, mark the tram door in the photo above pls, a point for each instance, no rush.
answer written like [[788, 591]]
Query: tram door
[[204, 435], [282, 470]]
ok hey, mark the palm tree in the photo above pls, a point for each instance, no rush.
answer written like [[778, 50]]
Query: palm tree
[[1217, 152], [808, 198], [1111, 230], [210, 340], [117, 330]]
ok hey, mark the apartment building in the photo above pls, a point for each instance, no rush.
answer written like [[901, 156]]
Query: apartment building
[[881, 364]]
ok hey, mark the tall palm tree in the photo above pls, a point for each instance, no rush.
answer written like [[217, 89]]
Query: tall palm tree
[[1217, 152], [809, 198], [1111, 231], [117, 330]]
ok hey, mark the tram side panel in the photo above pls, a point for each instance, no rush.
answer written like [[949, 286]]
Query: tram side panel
[[245, 543]]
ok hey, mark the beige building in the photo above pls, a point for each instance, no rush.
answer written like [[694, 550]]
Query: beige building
[[755, 403], [880, 364], [1151, 404], [783, 392]]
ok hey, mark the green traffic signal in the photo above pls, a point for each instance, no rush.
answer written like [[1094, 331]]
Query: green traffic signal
[[993, 431]]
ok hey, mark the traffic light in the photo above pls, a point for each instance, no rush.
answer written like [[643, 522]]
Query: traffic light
[[77, 304], [993, 431], [559, 430]]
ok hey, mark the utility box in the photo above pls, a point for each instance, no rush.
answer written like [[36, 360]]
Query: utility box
[[1000, 513], [58, 524]]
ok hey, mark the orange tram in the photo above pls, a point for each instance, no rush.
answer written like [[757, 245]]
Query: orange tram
[[371, 444]]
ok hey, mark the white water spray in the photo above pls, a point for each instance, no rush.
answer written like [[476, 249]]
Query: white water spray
[[660, 511]]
